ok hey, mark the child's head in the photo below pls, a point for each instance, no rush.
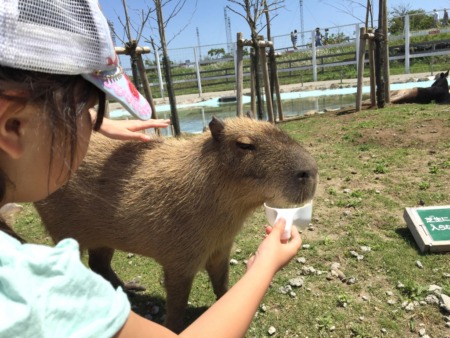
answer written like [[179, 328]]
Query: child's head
[[57, 61]]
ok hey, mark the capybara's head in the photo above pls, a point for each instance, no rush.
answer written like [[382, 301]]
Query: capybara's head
[[265, 159]]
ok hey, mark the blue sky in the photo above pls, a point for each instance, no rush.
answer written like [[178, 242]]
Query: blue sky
[[208, 17]]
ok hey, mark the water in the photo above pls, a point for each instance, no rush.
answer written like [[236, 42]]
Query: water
[[194, 117]]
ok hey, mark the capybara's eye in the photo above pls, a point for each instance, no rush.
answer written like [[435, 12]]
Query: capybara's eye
[[245, 146]]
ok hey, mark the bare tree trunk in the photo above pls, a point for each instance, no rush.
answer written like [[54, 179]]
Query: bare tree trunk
[[379, 55], [131, 46], [256, 60], [167, 71], [274, 84]]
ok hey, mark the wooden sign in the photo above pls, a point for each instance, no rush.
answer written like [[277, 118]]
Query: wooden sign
[[430, 227]]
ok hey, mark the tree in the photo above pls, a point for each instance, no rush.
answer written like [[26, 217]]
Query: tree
[[132, 38], [252, 14], [418, 20], [216, 53]]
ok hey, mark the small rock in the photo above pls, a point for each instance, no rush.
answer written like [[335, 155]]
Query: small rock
[[154, 310], [409, 307], [233, 261], [292, 294], [130, 255], [446, 275], [285, 289], [436, 289], [445, 302], [351, 281], [346, 191], [301, 260], [263, 307], [271, 330], [366, 248], [306, 246], [391, 302], [419, 265], [389, 293], [400, 285], [365, 298], [297, 282], [332, 328], [383, 330], [335, 265]]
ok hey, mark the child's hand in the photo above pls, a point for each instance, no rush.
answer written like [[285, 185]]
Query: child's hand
[[274, 252], [129, 129]]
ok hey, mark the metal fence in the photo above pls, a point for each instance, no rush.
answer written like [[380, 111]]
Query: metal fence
[[198, 69]]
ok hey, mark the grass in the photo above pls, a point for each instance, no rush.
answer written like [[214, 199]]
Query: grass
[[372, 165]]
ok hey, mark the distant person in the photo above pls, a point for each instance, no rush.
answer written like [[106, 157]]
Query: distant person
[[436, 18], [318, 37], [445, 18], [294, 39], [325, 38]]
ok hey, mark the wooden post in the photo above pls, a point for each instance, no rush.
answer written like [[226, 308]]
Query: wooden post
[[362, 50], [253, 70], [265, 71], [279, 105], [239, 75], [386, 75], [373, 100], [138, 51], [146, 85], [378, 68]]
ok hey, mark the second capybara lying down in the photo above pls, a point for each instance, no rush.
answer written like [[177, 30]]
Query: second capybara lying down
[[438, 92], [179, 201]]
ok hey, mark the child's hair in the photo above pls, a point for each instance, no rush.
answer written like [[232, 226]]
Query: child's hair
[[63, 98]]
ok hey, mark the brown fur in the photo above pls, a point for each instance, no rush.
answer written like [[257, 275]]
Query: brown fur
[[180, 201]]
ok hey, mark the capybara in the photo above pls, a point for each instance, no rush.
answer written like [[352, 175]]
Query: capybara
[[438, 92], [180, 201]]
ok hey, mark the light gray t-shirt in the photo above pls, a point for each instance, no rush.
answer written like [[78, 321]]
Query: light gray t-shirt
[[48, 292]]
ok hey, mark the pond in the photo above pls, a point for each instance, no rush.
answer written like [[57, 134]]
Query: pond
[[194, 117]]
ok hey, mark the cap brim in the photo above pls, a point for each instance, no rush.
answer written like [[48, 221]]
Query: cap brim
[[116, 84]]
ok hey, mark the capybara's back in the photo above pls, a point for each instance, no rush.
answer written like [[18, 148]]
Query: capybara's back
[[180, 201]]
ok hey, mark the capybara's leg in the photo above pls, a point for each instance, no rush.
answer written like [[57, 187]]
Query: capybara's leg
[[217, 268], [100, 262], [178, 286]]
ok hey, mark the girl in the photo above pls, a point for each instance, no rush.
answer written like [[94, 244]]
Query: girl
[[56, 62]]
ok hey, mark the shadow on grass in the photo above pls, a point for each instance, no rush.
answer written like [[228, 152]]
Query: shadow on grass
[[143, 304], [408, 238]]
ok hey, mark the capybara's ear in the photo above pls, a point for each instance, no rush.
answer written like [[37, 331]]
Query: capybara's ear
[[216, 126], [446, 74]]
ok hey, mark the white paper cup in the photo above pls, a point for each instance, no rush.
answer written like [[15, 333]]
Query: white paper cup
[[300, 217]]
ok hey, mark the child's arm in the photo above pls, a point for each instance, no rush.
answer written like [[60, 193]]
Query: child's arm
[[239, 305], [128, 129]]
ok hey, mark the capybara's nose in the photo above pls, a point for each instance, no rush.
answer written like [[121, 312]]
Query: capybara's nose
[[306, 174]]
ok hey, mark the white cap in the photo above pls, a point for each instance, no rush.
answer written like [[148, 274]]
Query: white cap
[[66, 37]]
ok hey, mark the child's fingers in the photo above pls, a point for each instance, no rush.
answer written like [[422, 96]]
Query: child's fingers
[[279, 226], [295, 236]]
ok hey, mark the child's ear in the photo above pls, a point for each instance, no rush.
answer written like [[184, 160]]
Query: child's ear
[[10, 128]]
